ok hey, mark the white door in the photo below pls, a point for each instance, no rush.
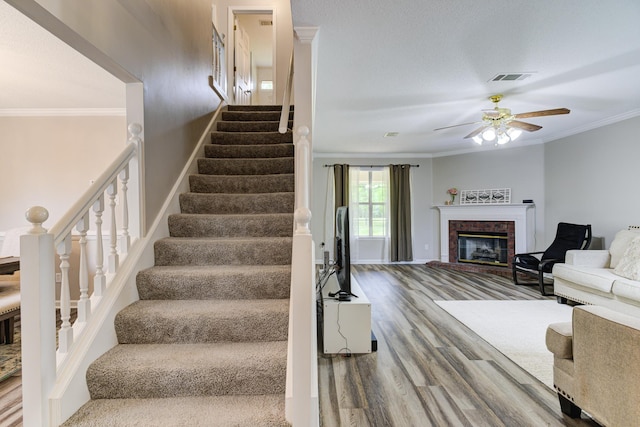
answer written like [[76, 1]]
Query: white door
[[242, 66]]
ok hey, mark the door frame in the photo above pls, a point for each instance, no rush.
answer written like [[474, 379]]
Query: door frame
[[249, 10]]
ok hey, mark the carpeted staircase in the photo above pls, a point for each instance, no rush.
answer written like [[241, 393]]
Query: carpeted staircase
[[206, 345]]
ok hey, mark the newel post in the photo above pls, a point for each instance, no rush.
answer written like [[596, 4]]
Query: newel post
[[38, 317]]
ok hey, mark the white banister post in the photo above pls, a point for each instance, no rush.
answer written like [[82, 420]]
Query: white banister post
[[99, 280], [84, 304], [301, 404], [38, 317], [65, 335], [302, 213], [126, 238], [135, 183], [112, 192]]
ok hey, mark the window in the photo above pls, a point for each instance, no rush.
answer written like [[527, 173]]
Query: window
[[266, 84], [370, 201]]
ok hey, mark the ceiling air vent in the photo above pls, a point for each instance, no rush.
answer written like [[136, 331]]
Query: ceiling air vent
[[266, 23], [510, 77]]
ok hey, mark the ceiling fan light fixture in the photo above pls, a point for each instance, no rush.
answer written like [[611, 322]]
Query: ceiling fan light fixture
[[503, 138], [477, 139], [514, 133], [489, 134]]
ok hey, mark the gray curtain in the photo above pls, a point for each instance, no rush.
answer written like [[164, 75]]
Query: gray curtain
[[341, 175], [400, 215]]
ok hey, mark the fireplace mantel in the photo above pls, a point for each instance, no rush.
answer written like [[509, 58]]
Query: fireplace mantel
[[523, 216]]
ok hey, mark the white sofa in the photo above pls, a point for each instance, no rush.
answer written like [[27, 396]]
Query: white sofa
[[609, 278]]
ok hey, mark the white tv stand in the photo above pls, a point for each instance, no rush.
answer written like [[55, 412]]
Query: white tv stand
[[346, 325]]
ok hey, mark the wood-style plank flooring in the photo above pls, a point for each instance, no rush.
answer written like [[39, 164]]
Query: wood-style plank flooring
[[430, 370], [11, 401]]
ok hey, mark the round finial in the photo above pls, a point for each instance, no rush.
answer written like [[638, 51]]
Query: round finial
[[135, 128], [303, 131], [37, 215]]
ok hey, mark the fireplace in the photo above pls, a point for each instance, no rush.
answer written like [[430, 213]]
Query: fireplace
[[483, 248], [515, 221], [482, 242]]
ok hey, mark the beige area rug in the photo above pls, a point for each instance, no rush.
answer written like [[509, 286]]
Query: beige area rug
[[516, 328]]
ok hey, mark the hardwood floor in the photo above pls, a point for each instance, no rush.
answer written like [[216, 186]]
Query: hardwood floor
[[430, 370], [11, 401]]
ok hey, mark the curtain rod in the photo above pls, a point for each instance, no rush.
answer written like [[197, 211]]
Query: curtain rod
[[366, 166]]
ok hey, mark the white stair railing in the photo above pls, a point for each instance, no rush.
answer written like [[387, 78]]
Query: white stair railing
[[302, 404], [41, 362], [286, 100]]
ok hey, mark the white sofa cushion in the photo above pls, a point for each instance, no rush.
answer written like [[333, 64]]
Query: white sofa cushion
[[628, 289], [591, 258], [620, 244], [600, 279], [629, 265]]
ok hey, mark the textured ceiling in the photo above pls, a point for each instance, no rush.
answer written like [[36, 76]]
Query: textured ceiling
[[411, 66], [41, 72]]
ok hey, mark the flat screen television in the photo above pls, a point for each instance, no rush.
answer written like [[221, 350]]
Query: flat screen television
[[342, 262]]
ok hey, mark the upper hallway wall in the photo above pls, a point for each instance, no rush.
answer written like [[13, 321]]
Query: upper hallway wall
[[167, 47]]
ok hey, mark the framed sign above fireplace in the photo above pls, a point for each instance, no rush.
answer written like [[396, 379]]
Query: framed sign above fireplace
[[490, 196]]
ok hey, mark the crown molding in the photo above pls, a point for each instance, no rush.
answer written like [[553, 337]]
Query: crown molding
[[56, 112]]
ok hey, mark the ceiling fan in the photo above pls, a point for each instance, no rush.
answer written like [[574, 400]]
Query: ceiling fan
[[498, 124]]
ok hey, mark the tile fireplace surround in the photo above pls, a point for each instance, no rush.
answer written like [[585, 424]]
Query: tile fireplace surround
[[517, 220]]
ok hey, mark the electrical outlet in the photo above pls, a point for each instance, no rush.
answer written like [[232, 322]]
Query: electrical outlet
[[426, 247], [58, 277]]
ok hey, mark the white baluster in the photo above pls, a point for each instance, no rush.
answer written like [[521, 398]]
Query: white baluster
[[65, 335], [99, 280], [84, 304], [125, 242], [112, 192]]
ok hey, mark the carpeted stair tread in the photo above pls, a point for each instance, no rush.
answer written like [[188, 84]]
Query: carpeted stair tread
[[209, 225], [271, 126], [275, 183], [253, 115], [237, 203], [174, 370], [251, 138], [257, 108], [221, 251], [248, 151], [278, 165], [206, 321], [199, 411], [214, 282]]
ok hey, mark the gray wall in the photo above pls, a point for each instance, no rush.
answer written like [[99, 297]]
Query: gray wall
[[521, 169], [593, 177], [166, 46]]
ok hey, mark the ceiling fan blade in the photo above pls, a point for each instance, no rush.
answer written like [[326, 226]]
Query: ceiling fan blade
[[542, 113], [476, 132], [454, 126], [529, 127]]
